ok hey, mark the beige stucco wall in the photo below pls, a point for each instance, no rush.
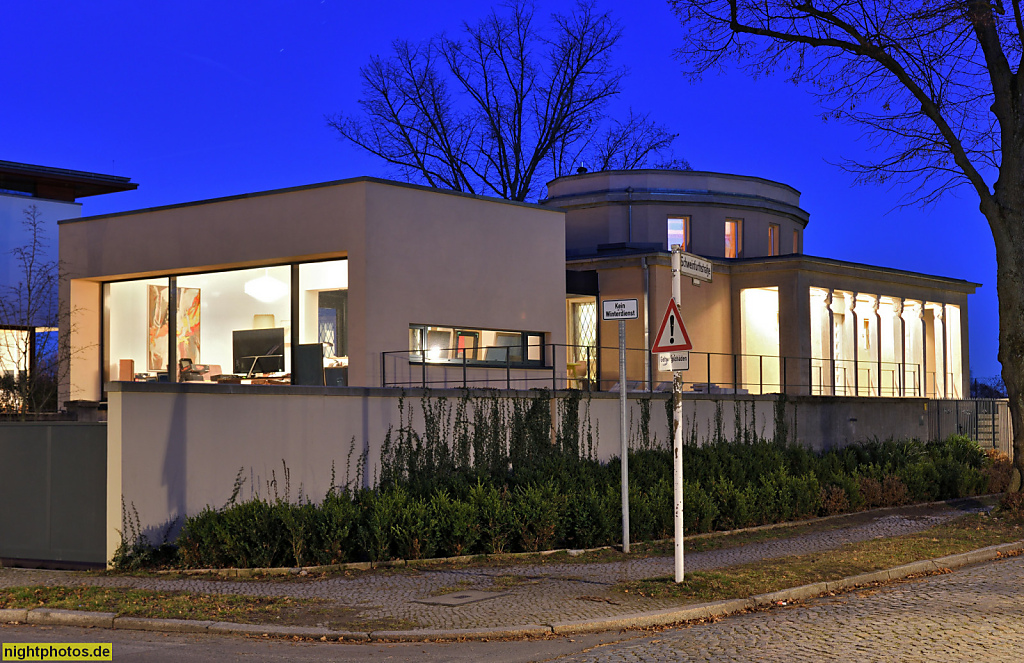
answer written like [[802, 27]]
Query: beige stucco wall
[[172, 450], [415, 255], [634, 206], [175, 449]]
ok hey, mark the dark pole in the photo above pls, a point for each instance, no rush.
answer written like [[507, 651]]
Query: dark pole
[[172, 329], [294, 354]]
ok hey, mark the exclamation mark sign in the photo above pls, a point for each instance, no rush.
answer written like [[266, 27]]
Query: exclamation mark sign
[[672, 329]]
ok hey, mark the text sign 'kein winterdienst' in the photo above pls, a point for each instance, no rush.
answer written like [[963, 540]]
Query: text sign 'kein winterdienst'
[[621, 309]]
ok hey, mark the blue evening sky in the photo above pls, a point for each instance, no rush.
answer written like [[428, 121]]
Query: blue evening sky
[[195, 100]]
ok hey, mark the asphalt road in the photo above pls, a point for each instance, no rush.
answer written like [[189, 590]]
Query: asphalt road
[[972, 614]]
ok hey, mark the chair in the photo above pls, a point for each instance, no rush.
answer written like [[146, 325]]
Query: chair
[[309, 365]]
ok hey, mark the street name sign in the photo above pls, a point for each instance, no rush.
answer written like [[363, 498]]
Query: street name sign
[[694, 266]]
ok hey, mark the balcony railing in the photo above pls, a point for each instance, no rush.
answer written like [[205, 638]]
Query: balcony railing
[[589, 368]]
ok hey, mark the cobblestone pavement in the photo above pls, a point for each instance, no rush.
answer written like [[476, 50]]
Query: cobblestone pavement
[[972, 614], [524, 594]]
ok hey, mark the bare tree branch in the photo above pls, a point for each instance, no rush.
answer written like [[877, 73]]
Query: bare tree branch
[[930, 83], [501, 108]]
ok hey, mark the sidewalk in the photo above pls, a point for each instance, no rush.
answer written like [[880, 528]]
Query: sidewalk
[[482, 600]]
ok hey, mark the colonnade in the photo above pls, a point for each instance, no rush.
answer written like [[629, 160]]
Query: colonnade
[[865, 344]]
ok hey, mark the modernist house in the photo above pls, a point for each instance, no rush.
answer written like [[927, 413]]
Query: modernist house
[[772, 319], [340, 282], [367, 282]]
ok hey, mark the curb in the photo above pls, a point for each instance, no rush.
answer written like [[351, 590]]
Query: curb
[[666, 617]]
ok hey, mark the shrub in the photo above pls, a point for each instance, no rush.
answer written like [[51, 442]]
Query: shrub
[[483, 489], [699, 510], [536, 508], [453, 525], [894, 491], [587, 520], [833, 500], [871, 491], [332, 529], [495, 516], [997, 470], [734, 510]]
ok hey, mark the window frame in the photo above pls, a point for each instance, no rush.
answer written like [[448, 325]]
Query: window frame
[[527, 340], [686, 231], [738, 250], [774, 237]]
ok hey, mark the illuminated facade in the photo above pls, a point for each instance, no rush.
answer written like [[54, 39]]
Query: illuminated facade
[[772, 319]]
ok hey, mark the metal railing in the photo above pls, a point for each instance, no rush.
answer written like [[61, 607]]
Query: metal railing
[[591, 368]]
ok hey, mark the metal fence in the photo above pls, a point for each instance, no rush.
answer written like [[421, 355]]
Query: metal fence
[[590, 368], [985, 420]]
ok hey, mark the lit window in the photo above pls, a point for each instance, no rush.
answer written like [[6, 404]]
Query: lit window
[[733, 238], [773, 239], [679, 232], [796, 241], [475, 346]]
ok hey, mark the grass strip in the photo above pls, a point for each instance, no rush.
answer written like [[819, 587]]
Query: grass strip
[[165, 605], [962, 535]]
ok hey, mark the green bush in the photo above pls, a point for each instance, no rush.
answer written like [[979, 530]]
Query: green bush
[[527, 494], [588, 518], [536, 508], [453, 525]]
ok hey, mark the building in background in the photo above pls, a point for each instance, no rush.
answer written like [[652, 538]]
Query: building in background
[[772, 319], [33, 199]]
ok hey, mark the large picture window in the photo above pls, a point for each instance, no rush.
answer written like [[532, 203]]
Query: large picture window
[[439, 344], [228, 325]]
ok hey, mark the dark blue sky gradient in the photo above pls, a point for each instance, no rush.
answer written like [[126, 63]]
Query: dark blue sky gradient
[[195, 100]]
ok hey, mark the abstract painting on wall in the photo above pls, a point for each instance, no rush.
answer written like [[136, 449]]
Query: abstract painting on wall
[[187, 320]]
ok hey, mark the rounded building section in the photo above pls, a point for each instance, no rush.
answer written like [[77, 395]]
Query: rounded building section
[[716, 215]]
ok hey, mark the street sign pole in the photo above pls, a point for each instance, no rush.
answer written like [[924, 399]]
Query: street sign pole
[[677, 433], [622, 310], [624, 441]]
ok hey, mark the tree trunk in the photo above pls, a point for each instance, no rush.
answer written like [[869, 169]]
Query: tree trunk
[[1010, 285]]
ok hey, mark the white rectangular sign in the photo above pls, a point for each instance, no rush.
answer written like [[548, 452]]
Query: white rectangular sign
[[694, 266], [674, 361], [621, 309]]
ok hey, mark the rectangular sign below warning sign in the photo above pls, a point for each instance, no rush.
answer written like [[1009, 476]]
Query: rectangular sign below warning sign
[[674, 361]]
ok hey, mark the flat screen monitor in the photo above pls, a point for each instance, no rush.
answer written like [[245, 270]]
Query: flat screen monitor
[[258, 350]]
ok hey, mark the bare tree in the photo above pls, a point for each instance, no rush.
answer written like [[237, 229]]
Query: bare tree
[[629, 144], [936, 86], [32, 356], [502, 109]]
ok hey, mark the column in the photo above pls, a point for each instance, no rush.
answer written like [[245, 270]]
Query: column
[[875, 300], [923, 372], [902, 361], [852, 311]]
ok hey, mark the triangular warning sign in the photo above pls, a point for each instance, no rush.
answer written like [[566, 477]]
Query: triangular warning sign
[[672, 336]]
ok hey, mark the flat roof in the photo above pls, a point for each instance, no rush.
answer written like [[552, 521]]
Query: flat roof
[[304, 187], [59, 183]]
